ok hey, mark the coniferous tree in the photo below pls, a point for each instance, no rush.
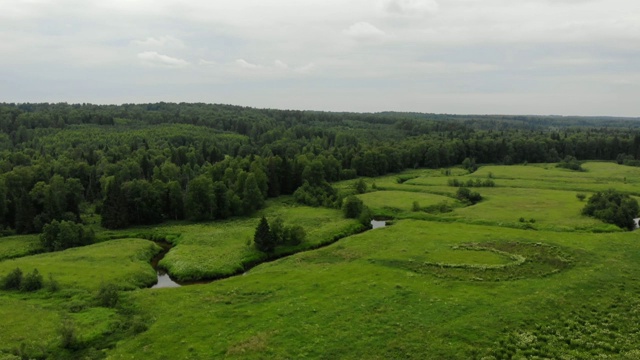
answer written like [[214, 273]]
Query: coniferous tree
[[114, 208], [263, 237]]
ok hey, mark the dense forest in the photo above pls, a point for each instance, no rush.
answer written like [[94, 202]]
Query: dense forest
[[138, 164]]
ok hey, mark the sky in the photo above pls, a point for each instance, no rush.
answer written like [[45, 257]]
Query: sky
[[562, 57]]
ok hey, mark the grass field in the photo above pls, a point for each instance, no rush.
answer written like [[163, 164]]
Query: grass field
[[351, 300], [223, 248], [473, 283], [17, 246], [395, 203], [125, 262]]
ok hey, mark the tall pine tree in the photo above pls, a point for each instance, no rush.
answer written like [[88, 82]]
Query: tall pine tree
[[263, 237]]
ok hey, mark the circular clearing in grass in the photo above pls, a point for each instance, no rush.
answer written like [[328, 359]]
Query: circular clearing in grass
[[519, 261]]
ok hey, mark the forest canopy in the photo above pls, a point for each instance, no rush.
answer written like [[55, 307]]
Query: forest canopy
[[140, 164]]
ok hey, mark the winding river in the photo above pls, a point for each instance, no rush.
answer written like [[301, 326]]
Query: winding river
[[165, 281]]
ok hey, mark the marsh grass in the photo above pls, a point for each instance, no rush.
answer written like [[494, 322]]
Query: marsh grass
[[124, 261], [474, 283], [19, 246]]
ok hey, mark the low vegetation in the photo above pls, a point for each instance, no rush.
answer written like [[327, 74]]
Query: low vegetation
[[501, 261]]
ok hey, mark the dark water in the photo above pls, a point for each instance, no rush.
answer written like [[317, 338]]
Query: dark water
[[375, 224]]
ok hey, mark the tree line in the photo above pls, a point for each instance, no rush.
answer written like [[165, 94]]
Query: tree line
[[139, 164]]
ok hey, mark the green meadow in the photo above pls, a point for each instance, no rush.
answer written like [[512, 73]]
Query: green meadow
[[223, 248], [519, 275], [18, 246]]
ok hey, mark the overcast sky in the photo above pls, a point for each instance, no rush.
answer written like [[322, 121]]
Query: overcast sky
[[568, 57]]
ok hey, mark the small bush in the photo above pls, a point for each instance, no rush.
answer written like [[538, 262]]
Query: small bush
[[13, 280], [571, 163], [32, 281], [581, 196], [360, 186], [52, 284], [466, 195], [68, 337], [415, 206], [108, 295]]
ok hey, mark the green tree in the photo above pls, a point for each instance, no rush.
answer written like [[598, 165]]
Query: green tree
[[613, 207], [114, 207], [174, 203], [199, 201], [360, 186], [62, 235], [252, 198], [352, 207], [263, 237]]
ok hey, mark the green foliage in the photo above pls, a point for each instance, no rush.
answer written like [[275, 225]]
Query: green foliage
[[352, 207], [52, 284], [62, 235], [287, 235], [114, 207], [360, 186], [263, 237], [581, 196], [465, 195], [107, 295], [318, 195], [571, 163], [31, 282], [613, 207], [469, 164], [13, 280], [68, 335], [442, 207], [471, 183], [199, 202], [415, 206]]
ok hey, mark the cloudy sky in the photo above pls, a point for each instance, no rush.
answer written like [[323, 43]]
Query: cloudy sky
[[569, 57]]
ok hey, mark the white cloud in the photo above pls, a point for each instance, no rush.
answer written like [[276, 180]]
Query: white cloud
[[281, 65], [247, 65], [365, 31], [410, 7], [421, 47], [203, 62], [305, 69], [152, 58], [158, 42]]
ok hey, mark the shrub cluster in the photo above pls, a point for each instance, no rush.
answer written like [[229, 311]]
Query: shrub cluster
[[15, 280], [613, 207], [439, 208], [60, 235], [628, 160], [465, 195], [267, 237], [322, 194], [571, 163], [472, 183]]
